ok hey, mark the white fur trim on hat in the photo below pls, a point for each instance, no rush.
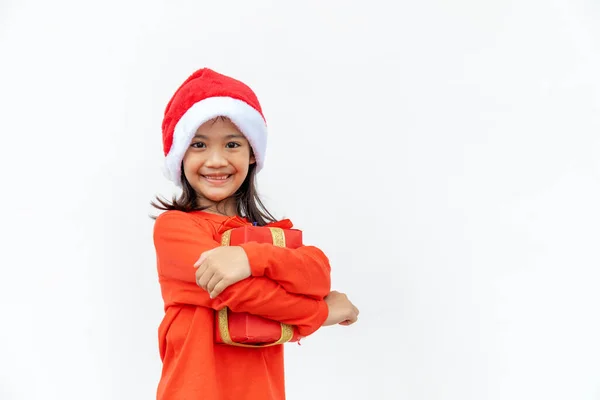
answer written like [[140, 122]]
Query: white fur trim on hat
[[248, 120]]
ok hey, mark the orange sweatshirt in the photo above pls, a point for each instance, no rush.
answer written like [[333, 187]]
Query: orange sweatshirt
[[287, 285]]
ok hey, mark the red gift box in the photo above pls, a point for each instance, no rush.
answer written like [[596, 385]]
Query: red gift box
[[245, 329]]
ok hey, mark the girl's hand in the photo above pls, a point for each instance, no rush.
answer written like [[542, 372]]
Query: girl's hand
[[221, 267], [341, 310]]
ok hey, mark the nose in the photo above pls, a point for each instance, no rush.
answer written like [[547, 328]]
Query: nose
[[216, 159]]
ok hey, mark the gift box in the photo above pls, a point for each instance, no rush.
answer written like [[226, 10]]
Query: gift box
[[245, 329]]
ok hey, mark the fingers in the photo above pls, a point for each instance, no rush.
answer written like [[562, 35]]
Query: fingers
[[356, 312], [211, 280], [210, 286], [352, 316], [200, 271], [218, 268], [353, 319], [203, 257], [203, 276], [218, 289], [203, 272], [350, 321]]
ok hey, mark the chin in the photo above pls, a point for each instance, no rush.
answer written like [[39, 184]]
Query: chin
[[216, 197]]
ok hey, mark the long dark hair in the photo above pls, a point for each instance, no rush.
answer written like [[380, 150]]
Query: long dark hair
[[248, 203]]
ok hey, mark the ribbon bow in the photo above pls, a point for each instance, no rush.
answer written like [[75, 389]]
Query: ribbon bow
[[237, 222]]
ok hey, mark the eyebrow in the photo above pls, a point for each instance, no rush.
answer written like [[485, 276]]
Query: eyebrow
[[230, 136]]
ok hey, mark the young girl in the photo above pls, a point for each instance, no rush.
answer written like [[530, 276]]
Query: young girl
[[215, 138]]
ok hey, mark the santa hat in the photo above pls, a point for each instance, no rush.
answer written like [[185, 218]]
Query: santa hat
[[205, 95]]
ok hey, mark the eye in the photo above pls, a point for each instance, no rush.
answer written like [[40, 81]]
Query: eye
[[198, 145], [232, 145]]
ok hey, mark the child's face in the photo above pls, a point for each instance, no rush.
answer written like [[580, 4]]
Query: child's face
[[217, 161]]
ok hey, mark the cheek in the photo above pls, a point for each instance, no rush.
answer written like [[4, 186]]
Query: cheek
[[242, 165], [190, 163], [246, 159]]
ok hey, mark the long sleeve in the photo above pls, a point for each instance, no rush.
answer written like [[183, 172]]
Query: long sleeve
[[179, 240], [304, 270]]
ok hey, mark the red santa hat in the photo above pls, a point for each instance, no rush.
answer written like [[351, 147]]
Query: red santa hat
[[205, 95]]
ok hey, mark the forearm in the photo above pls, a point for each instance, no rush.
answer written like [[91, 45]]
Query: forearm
[[258, 296], [304, 270], [180, 240], [264, 297]]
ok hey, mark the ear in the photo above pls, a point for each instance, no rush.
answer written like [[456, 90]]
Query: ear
[[252, 158]]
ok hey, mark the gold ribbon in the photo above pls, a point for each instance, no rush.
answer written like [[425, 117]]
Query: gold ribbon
[[287, 331]]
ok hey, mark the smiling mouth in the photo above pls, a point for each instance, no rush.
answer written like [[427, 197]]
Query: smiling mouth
[[216, 178]]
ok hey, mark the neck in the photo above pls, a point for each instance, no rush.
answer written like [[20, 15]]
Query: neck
[[226, 207]]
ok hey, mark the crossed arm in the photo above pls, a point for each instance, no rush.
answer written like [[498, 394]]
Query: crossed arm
[[286, 285]]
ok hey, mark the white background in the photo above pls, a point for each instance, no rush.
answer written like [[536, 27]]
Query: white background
[[444, 154]]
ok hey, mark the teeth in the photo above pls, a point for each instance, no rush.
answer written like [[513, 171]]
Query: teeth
[[217, 178]]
